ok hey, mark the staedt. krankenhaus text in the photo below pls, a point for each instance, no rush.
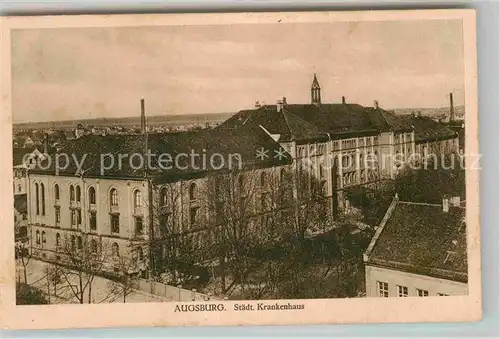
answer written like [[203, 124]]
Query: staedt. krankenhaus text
[[279, 307]]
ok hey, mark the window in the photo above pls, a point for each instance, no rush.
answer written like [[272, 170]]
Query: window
[[56, 192], [193, 215], [115, 250], [42, 187], [137, 199], [383, 289], [79, 217], [115, 223], [163, 197], [139, 226], [93, 246], [422, 293], [44, 239], [78, 193], [263, 180], [140, 253], [193, 192], [93, 221], [19, 188], [73, 241], [79, 243], [92, 195], [283, 174], [58, 240], [402, 291], [38, 237], [58, 214], [73, 217], [37, 198], [442, 295], [71, 193], [113, 197], [321, 171]]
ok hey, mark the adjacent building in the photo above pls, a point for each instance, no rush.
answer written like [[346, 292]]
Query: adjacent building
[[418, 250], [346, 144]]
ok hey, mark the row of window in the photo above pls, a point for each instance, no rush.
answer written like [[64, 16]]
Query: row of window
[[77, 244], [402, 291]]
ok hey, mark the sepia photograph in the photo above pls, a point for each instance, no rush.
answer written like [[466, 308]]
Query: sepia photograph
[[225, 168]]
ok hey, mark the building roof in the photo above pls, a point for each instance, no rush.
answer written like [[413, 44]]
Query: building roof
[[301, 122], [228, 143], [21, 203], [428, 130], [422, 239]]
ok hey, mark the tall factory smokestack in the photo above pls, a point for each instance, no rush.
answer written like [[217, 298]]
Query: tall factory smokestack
[[143, 117], [452, 110]]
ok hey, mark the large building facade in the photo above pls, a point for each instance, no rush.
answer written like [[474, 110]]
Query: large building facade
[[149, 212]]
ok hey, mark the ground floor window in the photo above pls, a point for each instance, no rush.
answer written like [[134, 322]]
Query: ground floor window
[[422, 293], [383, 289], [402, 291]]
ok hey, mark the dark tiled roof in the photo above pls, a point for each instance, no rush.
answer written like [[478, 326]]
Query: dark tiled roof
[[422, 239], [18, 154], [243, 141], [21, 203], [308, 121], [428, 130]]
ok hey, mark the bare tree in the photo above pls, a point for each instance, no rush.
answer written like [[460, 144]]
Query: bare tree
[[82, 257], [126, 269]]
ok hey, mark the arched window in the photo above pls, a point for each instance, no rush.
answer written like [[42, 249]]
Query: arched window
[[193, 192], [58, 240], [113, 197], [361, 159], [73, 242], [263, 179], [92, 195], [42, 188], [137, 199], [93, 246], [115, 250], [78, 193], [44, 240], [56, 192], [79, 243], [71, 193], [37, 198], [321, 170], [38, 237], [163, 197]]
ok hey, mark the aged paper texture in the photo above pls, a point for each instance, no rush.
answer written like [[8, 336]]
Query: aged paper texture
[[240, 169]]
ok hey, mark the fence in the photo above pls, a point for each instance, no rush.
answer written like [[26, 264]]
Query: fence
[[170, 292]]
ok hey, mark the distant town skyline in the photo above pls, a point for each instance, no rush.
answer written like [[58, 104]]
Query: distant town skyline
[[87, 73]]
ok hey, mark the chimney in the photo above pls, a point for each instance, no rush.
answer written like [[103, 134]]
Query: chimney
[[279, 105], [45, 143], [257, 104], [446, 204], [452, 110], [143, 117], [343, 100], [375, 104]]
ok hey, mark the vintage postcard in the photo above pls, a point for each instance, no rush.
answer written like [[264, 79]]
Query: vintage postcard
[[240, 169]]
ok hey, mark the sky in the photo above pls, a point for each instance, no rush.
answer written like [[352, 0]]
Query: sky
[[82, 73]]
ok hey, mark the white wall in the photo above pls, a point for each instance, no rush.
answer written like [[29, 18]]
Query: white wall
[[410, 280]]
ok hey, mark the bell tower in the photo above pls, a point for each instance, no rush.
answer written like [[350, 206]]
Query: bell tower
[[315, 91]]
